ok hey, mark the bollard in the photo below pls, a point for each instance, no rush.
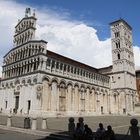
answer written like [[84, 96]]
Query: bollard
[[134, 129], [27, 123], [44, 123], [71, 126], [9, 121], [34, 124]]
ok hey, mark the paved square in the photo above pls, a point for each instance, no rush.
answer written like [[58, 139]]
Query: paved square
[[120, 125], [10, 135]]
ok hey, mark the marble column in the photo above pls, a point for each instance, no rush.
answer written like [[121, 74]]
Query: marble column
[[54, 94], [127, 103], [76, 104], [57, 98], [87, 100], [45, 95], [73, 99], [69, 97], [95, 101], [49, 97]]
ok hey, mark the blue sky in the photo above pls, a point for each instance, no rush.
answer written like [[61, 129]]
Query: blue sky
[[96, 13]]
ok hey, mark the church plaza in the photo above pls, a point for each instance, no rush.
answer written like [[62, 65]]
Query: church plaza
[[120, 124]]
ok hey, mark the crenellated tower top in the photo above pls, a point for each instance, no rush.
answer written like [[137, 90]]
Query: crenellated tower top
[[25, 29]]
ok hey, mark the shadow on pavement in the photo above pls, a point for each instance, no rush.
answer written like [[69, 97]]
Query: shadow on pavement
[[65, 136]]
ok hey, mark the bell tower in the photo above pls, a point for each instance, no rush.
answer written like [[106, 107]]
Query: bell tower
[[123, 81]]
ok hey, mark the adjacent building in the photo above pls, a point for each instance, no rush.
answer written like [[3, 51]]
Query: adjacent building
[[37, 81], [138, 84]]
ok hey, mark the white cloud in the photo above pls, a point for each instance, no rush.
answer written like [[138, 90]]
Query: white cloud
[[136, 50], [71, 38], [77, 41]]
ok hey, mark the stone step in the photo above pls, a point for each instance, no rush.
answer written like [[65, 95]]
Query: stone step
[[58, 137], [62, 135]]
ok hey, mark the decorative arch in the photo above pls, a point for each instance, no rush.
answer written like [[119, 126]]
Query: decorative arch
[[76, 84], [35, 80], [82, 86], [11, 84], [17, 82], [62, 81], [70, 83], [93, 88], [29, 81], [55, 80], [102, 91], [45, 78], [88, 87], [106, 92], [97, 89], [7, 84], [23, 81]]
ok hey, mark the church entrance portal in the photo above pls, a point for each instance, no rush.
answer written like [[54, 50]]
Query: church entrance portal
[[16, 104]]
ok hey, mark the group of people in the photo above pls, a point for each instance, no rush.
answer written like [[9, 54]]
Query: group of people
[[102, 134], [83, 132]]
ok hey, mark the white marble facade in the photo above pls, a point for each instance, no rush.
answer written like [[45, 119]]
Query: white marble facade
[[39, 82]]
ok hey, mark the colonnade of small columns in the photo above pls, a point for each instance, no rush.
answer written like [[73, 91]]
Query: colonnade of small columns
[[25, 31], [52, 66], [24, 37], [21, 68], [27, 23], [23, 52], [56, 66]]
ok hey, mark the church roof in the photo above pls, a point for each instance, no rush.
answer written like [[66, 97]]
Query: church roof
[[70, 61], [121, 20]]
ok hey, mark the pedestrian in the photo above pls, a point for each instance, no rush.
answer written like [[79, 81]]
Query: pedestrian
[[88, 135], [100, 132], [109, 133], [79, 133]]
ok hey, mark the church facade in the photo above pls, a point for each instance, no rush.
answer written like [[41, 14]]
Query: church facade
[[37, 81]]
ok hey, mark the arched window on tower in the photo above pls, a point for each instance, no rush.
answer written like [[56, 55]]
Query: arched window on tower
[[117, 45], [118, 56], [117, 34]]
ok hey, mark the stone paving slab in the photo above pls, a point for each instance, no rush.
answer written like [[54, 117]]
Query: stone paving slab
[[120, 124], [13, 135], [26, 131]]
